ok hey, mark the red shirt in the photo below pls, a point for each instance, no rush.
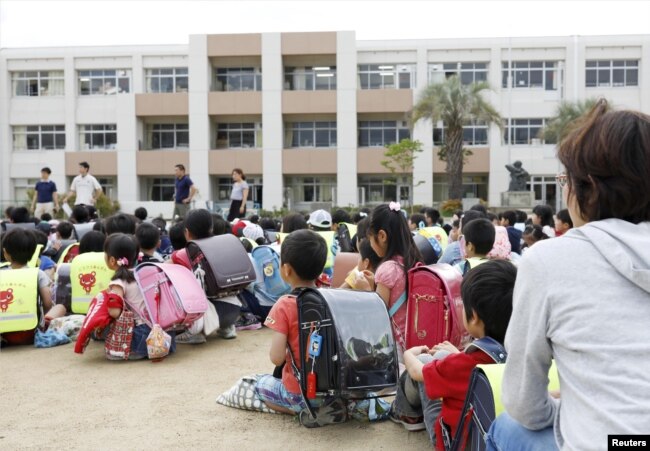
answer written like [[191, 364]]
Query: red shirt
[[283, 318], [449, 379]]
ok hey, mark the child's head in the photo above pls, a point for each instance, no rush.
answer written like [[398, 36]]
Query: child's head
[[80, 214], [454, 233], [267, 223], [20, 215], [479, 237], [320, 220], [148, 236], [99, 227], [121, 254], [543, 215], [254, 232], [563, 221], [219, 225], [41, 238], [369, 258], [431, 216], [390, 236], [198, 224], [64, 230], [363, 213], [177, 235], [532, 234], [140, 213], [487, 298], [161, 224], [303, 255], [339, 216], [293, 222], [18, 246], [46, 217], [120, 223], [508, 218], [416, 221], [522, 216], [92, 241]]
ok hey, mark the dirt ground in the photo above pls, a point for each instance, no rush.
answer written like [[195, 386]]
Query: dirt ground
[[56, 399]]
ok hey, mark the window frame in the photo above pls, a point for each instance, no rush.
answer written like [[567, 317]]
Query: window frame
[[221, 78], [39, 78], [320, 188], [311, 75], [517, 124], [384, 128], [58, 131], [121, 79], [610, 67], [105, 132], [382, 72], [177, 74], [449, 69], [313, 128], [474, 126], [231, 129], [166, 128], [524, 69]]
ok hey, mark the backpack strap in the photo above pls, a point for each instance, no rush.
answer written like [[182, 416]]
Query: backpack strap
[[491, 347], [396, 306]]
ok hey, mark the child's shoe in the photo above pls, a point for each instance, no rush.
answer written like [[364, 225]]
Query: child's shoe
[[186, 338], [227, 333], [410, 423], [248, 321]]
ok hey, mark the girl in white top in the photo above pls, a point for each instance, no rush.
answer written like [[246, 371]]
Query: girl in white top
[[238, 196]]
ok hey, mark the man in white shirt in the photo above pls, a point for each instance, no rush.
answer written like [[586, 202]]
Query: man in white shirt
[[85, 186]]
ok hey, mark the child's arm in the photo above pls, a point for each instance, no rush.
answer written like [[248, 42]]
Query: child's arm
[[278, 350], [384, 293], [115, 312], [46, 297], [413, 364]]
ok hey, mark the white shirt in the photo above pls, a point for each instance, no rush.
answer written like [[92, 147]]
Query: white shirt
[[84, 187]]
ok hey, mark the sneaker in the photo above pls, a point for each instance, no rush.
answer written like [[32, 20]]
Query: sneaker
[[248, 321], [186, 338], [410, 423], [228, 333]]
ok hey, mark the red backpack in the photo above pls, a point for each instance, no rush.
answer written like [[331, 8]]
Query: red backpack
[[434, 309]]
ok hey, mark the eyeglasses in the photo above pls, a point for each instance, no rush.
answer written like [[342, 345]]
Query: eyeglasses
[[561, 179]]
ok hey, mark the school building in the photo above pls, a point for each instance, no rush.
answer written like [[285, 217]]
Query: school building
[[305, 115]]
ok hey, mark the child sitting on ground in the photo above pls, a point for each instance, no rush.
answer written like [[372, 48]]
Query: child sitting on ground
[[444, 372], [148, 236], [368, 261], [479, 239], [303, 256]]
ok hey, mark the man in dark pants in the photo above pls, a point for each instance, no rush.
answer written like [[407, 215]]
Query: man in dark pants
[[183, 193]]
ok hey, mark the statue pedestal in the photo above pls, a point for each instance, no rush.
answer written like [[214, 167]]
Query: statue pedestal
[[517, 199]]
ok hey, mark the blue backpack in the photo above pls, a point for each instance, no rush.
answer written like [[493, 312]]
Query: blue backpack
[[269, 286]]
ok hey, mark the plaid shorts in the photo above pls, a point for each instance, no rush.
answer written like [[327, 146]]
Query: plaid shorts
[[272, 390]]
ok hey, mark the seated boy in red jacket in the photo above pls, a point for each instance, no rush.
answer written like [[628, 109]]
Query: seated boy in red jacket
[[444, 372]]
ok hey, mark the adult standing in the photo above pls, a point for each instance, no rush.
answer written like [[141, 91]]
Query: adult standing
[[583, 300], [238, 195], [184, 192], [46, 198], [85, 186]]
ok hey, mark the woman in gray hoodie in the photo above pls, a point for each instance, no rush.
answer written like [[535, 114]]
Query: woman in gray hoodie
[[584, 300]]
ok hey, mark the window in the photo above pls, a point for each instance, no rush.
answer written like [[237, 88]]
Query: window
[[612, 73], [159, 189], [239, 135], [525, 131], [98, 136], [38, 83], [531, 74], [310, 134], [382, 133], [109, 185], [386, 76], [238, 79], [21, 187], [469, 72], [173, 79], [310, 78], [378, 188], [311, 189], [474, 134], [39, 137], [473, 186], [168, 136], [104, 81]]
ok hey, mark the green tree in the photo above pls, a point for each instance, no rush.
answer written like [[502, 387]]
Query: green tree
[[455, 104], [560, 124], [399, 160]]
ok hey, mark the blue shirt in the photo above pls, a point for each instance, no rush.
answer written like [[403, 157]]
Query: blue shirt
[[182, 188], [44, 191]]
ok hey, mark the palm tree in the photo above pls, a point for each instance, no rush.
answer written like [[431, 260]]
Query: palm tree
[[455, 104], [559, 125]]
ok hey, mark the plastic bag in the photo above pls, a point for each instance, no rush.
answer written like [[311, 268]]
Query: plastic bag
[[210, 320], [158, 343]]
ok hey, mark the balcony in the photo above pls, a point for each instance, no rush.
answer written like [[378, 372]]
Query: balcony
[[384, 100], [162, 104], [101, 163]]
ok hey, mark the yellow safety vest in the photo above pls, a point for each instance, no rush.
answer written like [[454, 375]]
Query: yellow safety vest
[[18, 300], [89, 275], [329, 239], [436, 232], [65, 253], [33, 263], [494, 374]]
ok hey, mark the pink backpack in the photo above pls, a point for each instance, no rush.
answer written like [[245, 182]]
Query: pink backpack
[[172, 295]]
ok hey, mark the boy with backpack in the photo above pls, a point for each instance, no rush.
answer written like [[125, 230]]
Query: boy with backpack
[[479, 239], [303, 256], [444, 372]]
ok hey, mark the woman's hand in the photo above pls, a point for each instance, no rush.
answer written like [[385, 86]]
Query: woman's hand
[[445, 346], [241, 209]]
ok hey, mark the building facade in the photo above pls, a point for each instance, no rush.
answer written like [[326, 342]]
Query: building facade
[[305, 115]]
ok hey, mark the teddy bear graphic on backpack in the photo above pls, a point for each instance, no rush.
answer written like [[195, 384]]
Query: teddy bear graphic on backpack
[[87, 281], [6, 299]]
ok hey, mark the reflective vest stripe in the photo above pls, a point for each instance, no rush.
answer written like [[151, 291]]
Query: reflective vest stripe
[[33, 263], [17, 317]]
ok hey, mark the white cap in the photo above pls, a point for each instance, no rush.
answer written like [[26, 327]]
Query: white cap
[[320, 218], [253, 232]]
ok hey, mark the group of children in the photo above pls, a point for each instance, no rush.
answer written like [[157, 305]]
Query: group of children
[[483, 247]]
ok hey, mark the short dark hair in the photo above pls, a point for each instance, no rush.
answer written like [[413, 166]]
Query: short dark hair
[[479, 207], [306, 252], [522, 216], [92, 241], [199, 223], [20, 215], [84, 164], [487, 290], [65, 229], [536, 231], [510, 216], [20, 244], [140, 213], [41, 238], [46, 169], [99, 227], [545, 214], [361, 214], [366, 251], [340, 215], [180, 166], [417, 218], [219, 225], [177, 235], [120, 223], [148, 235], [161, 224], [471, 215], [80, 214], [292, 222], [607, 161], [481, 233], [433, 214], [267, 224], [563, 215], [46, 217]]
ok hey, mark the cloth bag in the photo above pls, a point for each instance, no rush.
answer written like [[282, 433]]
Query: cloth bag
[[117, 345]]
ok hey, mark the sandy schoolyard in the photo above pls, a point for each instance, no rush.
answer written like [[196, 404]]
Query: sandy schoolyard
[[56, 399]]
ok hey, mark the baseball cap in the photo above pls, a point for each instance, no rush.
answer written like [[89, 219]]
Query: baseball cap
[[253, 232], [320, 218]]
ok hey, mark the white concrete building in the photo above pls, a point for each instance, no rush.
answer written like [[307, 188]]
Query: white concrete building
[[305, 115]]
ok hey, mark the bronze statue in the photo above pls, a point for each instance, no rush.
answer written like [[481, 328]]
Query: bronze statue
[[518, 176]]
